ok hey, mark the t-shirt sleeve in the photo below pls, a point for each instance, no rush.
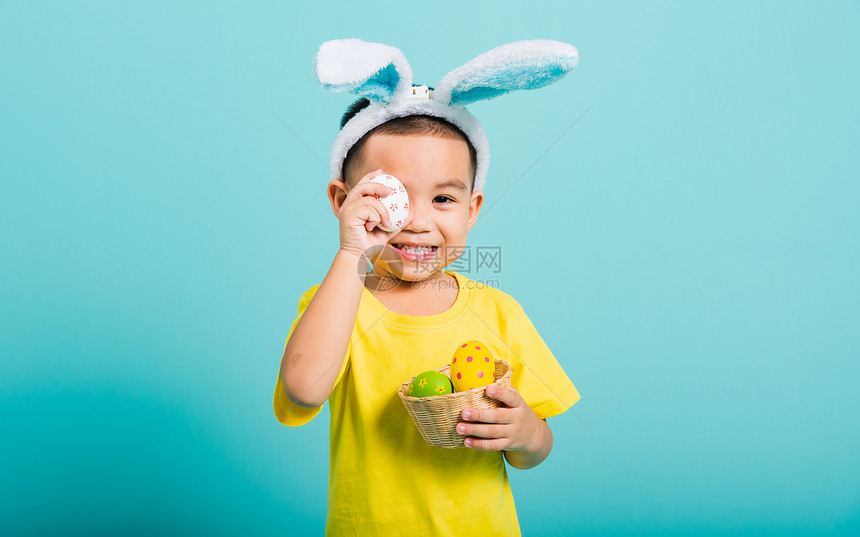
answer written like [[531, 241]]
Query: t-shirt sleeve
[[536, 374], [286, 411]]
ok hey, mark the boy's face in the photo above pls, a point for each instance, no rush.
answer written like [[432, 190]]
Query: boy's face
[[437, 175]]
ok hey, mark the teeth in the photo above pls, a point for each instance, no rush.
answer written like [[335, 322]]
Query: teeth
[[416, 249]]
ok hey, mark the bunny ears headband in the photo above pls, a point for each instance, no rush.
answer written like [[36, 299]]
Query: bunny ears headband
[[381, 73]]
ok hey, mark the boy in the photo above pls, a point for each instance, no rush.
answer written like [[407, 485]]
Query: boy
[[355, 341]]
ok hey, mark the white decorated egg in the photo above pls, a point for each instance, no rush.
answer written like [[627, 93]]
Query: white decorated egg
[[397, 202]]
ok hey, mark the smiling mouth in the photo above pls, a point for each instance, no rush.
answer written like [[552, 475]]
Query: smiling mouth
[[415, 253], [414, 249]]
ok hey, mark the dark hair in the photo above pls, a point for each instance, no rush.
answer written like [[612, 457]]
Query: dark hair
[[418, 124]]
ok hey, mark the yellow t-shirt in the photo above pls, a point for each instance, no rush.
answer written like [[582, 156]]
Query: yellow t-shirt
[[383, 477]]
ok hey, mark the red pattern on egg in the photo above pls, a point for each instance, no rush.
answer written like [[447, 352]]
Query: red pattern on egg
[[470, 372], [396, 203]]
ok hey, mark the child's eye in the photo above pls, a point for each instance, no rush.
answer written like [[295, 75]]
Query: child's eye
[[443, 198]]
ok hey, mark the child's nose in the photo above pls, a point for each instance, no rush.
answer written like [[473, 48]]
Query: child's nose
[[420, 219]]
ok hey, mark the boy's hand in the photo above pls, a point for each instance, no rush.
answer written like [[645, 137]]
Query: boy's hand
[[361, 213], [514, 427]]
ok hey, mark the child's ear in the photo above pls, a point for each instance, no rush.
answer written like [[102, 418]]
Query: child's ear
[[519, 65], [475, 205], [373, 70], [337, 192]]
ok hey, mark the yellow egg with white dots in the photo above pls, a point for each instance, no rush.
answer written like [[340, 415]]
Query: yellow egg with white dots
[[472, 366]]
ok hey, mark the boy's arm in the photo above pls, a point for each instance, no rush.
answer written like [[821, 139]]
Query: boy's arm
[[536, 453], [315, 351]]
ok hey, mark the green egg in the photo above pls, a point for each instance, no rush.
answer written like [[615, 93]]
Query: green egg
[[430, 383]]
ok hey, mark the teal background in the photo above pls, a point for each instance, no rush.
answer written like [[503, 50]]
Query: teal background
[[678, 217]]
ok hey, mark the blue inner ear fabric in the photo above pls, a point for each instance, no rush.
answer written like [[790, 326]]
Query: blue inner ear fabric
[[491, 82], [380, 86]]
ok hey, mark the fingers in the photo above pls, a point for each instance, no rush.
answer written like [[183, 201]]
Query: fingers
[[509, 396], [371, 189], [483, 444], [380, 212], [369, 176], [487, 415], [367, 193], [367, 188], [490, 428], [484, 430], [486, 436], [371, 218]]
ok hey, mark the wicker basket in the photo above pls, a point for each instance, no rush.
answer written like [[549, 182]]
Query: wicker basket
[[437, 417]]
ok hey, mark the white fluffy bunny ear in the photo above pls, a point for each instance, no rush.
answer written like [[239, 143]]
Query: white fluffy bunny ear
[[373, 70], [518, 65]]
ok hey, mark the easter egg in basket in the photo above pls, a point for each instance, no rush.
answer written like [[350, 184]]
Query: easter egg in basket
[[472, 366], [430, 383]]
